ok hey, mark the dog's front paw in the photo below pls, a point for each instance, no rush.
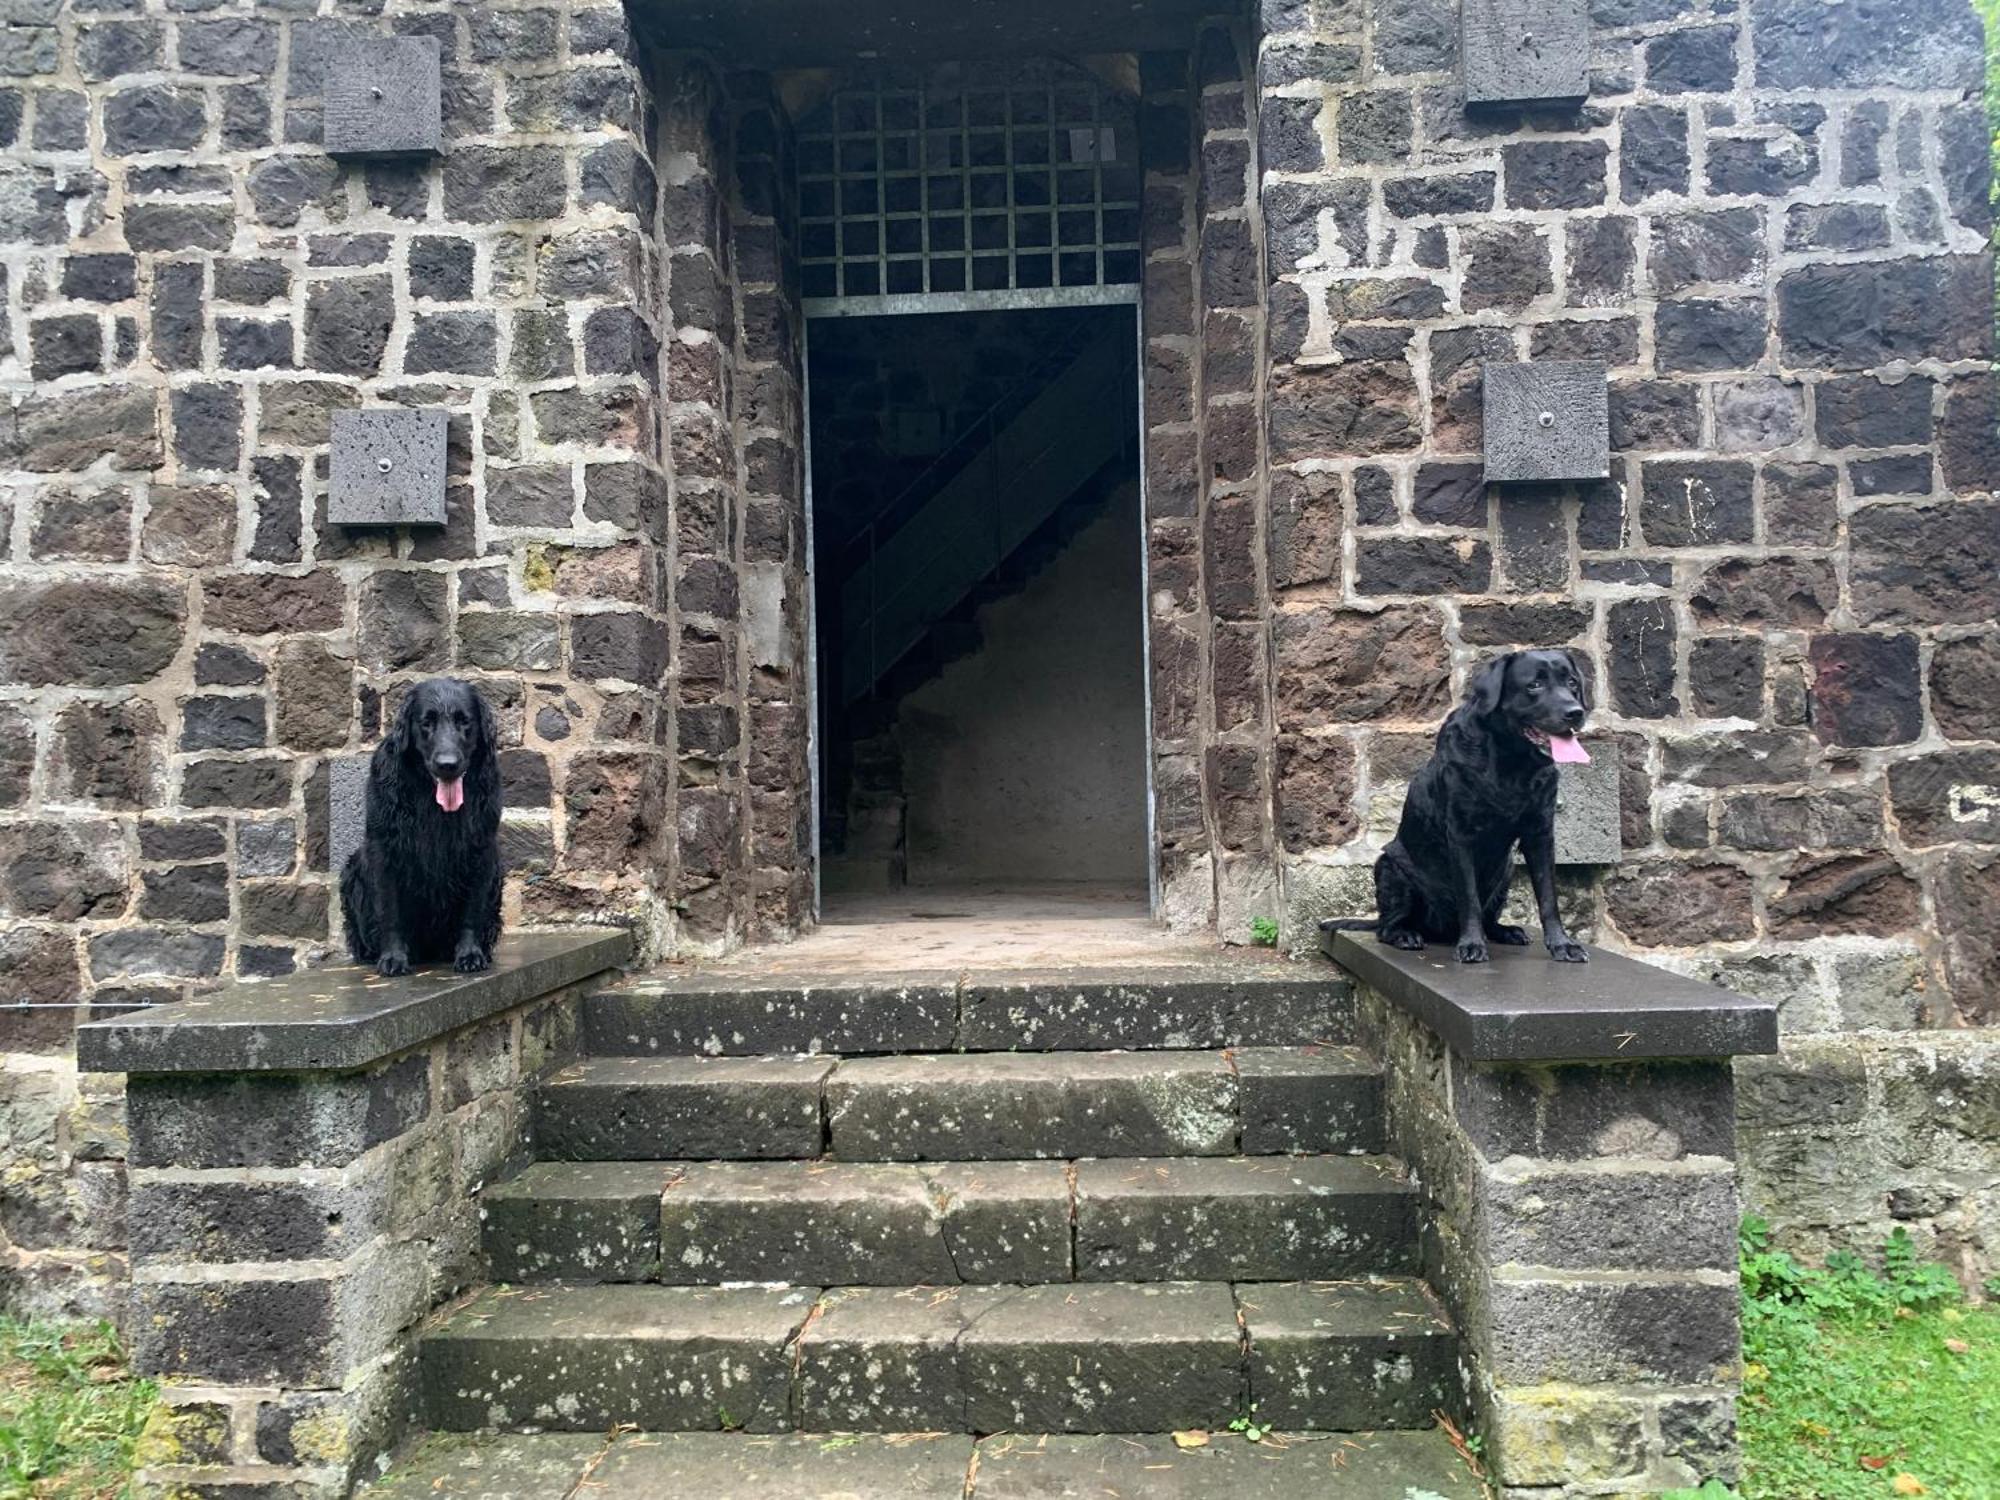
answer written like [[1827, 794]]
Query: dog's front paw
[[1508, 933], [389, 965], [1410, 942], [1472, 951], [1568, 951], [471, 960]]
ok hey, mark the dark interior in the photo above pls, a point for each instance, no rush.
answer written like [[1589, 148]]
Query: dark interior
[[977, 583]]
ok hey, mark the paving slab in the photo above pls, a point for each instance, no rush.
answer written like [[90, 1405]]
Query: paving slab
[[1173, 1006], [681, 1108], [879, 1360], [1004, 1221], [828, 1223], [815, 1466], [1375, 1466], [1311, 1099], [490, 1466], [1104, 1358], [1242, 1218], [1349, 1357], [586, 1358], [736, 1015], [996, 1106], [576, 1221]]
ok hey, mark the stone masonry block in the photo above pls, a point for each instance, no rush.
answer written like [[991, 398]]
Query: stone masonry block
[[388, 468], [1513, 50], [346, 807], [1547, 420], [272, 1120], [309, 1330], [385, 98], [1588, 813]]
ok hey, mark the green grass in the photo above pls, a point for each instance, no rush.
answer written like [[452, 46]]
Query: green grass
[[70, 1412], [1860, 1385]]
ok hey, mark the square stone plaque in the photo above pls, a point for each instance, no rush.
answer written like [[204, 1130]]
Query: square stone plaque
[[388, 467], [1547, 420], [385, 98], [1524, 51], [346, 807]]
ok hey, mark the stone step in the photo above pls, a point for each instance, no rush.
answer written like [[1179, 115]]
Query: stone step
[[645, 1108], [963, 1106], [926, 1466], [947, 1223], [1219, 1001], [1098, 1357]]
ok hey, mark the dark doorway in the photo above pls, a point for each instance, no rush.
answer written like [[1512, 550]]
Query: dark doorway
[[978, 591]]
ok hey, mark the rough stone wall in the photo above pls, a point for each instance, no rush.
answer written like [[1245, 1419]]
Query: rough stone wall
[[1770, 220], [289, 1232], [1582, 1230], [1202, 314], [189, 288]]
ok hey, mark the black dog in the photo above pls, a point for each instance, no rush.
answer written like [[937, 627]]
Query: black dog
[[425, 883], [1491, 784]]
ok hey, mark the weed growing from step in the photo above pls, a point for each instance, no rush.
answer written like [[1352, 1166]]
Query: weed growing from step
[[1264, 932], [70, 1411]]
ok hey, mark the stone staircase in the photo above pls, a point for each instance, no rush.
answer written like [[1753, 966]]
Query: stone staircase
[[1055, 1204]]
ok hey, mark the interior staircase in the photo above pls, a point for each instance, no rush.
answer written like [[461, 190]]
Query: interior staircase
[[1049, 1207]]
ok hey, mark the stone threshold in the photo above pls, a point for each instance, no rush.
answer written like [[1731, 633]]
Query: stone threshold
[[1523, 1006], [342, 1016]]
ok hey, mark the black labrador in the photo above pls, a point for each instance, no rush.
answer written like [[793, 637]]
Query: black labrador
[[1490, 784], [425, 884]]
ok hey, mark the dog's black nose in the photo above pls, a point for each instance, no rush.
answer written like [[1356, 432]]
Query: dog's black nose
[[445, 765], [1575, 718]]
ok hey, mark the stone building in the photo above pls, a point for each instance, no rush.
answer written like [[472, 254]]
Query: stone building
[[671, 257]]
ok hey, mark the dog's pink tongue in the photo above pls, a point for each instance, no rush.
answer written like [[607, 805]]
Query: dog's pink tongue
[[1567, 750], [451, 795]]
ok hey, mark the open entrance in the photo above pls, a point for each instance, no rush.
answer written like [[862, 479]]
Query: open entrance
[[978, 584]]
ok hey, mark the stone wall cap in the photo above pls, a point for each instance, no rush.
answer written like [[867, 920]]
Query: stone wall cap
[[342, 1016], [1523, 1006]]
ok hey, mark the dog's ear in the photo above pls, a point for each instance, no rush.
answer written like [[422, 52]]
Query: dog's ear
[[403, 729], [1489, 686], [1582, 669]]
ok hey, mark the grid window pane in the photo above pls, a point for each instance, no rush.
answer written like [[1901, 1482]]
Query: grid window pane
[[978, 178]]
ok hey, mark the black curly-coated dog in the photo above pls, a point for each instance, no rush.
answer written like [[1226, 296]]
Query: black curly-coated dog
[[1490, 785], [425, 884]]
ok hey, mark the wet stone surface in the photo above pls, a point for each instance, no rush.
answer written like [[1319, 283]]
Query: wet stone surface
[[713, 1017], [616, 1108], [1001, 1106], [580, 1359], [1106, 1358], [581, 1221], [1250, 1218], [1348, 1355], [1309, 1099]]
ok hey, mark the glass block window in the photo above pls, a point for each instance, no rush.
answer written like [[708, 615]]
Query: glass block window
[[979, 178]]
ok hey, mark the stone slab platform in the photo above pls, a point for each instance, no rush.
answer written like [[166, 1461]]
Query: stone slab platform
[[341, 1016], [1223, 1000], [1091, 1357], [924, 1466], [1522, 1006]]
